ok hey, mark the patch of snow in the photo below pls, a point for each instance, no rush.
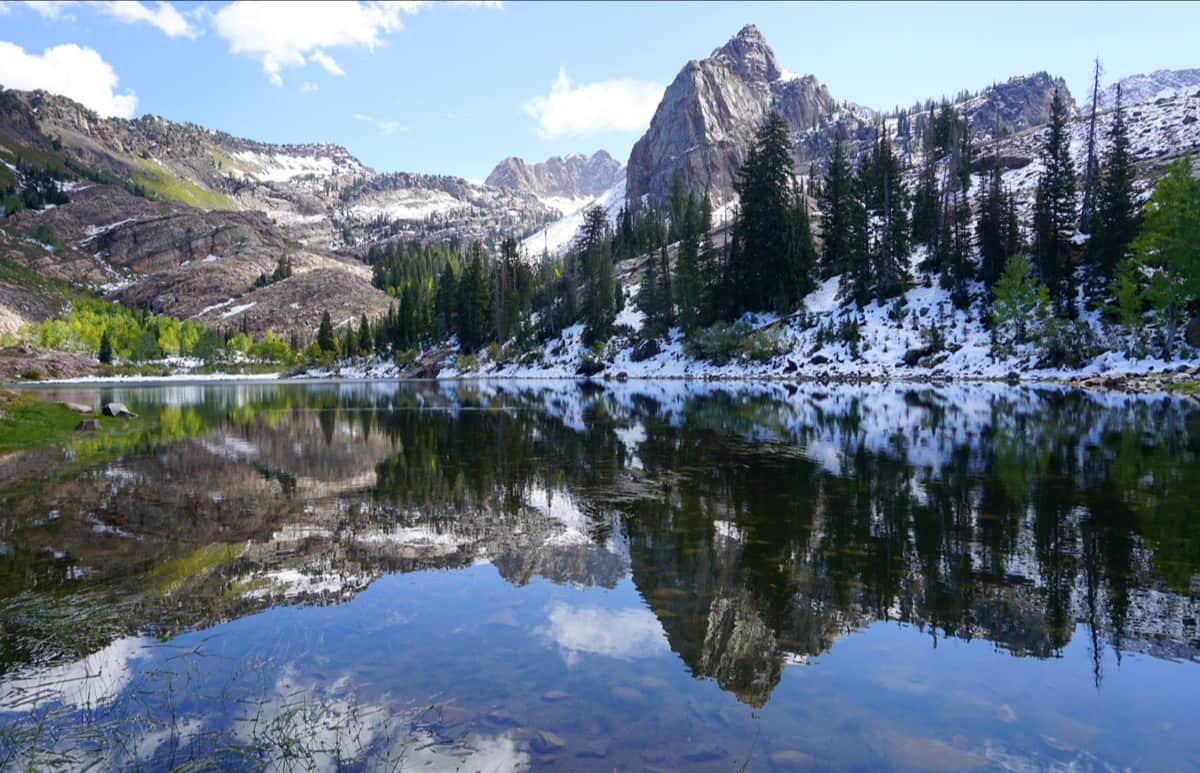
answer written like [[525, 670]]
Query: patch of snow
[[557, 236], [238, 310]]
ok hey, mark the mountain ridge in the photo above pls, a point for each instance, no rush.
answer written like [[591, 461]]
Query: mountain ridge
[[574, 176]]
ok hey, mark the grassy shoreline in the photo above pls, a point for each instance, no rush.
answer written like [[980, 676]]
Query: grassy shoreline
[[28, 420]]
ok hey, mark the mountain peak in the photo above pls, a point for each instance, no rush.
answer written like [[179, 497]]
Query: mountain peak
[[574, 176], [750, 55]]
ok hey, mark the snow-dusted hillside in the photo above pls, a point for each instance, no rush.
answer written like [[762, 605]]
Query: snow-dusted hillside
[[286, 166], [1147, 87], [556, 237]]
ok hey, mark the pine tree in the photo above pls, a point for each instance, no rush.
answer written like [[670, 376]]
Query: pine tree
[[666, 289], [595, 252], [649, 297], [688, 273], [325, 339], [473, 302], [837, 205], [990, 229], [1091, 163], [958, 267], [365, 340], [1116, 218], [1055, 215], [445, 297], [511, 290], [857, 279], [768, 267], [925, 205], [106, 349], [677, 203], [885, 199]]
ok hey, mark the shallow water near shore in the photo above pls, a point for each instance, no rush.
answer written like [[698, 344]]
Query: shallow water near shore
[[645, 575]]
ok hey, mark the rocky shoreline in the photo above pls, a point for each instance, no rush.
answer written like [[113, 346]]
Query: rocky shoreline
[[19, 363], [1183, 381]]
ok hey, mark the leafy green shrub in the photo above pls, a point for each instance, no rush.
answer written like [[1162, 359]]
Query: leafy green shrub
[[1021, 307], [850, 333], [45, 234], [723, 342], [1069, 343], [271, 348]]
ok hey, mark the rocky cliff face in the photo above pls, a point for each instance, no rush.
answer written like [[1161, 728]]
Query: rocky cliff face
[[314, 192], [572, 177], [182, 219], [1152, 86], [708, 115], [1018, 104]]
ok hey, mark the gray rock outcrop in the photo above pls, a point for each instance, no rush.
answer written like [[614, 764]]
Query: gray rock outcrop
[[704, 125], [708, 116], [573, 176]]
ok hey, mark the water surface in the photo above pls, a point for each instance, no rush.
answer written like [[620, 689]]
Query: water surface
[[485, 576]]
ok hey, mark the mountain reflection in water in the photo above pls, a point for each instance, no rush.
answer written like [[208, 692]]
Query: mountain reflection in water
[[507, 575]]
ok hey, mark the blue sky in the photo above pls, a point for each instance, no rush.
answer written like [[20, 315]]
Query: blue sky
[[454, 87]]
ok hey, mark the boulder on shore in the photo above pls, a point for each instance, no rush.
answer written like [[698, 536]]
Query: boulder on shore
[[118, 409], [87, 425]]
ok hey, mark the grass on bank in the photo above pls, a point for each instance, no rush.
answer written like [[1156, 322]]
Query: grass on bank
[[29, 420], [159, 183]]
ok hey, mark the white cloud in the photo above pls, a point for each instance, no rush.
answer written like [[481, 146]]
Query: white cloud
[[70, 70], [163, 16], [292, 34], [49, 9], [617, 633], [309, 87], [384, 127], [582, 110], [93, 681], [326, 61]]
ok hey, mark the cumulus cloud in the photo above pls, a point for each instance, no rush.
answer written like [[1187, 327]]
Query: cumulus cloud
[[617, 633], [328, 63], [580, 110], [309, 87], [163, 17], [384, 127], [292, 34], [71, 70], [50, 9]]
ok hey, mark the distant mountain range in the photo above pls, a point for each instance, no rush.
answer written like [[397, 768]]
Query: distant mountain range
[[181, 218], [559, 178]]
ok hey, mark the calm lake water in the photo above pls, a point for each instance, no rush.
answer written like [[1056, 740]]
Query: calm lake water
[[494, 576]]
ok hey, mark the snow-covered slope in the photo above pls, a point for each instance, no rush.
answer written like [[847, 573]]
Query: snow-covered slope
[[556, 237], [1147, 87]]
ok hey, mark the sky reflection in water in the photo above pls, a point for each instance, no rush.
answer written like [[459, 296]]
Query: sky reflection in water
[[500, 576]]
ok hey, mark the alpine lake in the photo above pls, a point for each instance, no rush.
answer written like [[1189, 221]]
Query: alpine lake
[[629, 576]]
